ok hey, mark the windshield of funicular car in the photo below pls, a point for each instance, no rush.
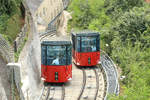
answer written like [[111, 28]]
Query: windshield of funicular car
[[57, 55], [88, 44]]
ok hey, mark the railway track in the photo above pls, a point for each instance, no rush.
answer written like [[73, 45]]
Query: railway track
[[91, 84], [53, 93], [46, 36]]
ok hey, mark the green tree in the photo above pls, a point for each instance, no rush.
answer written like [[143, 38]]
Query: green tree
[[116, 8], [9, 6], [3, 23], [88, 14], [132, 26]]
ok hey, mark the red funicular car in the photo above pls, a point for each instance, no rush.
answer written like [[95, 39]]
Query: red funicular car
[[56, 62], [86, 48]]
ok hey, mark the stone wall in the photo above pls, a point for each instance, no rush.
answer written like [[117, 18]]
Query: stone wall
[[48, 10]]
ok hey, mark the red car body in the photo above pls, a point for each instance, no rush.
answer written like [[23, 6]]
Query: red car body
[[49, 73], [82, 58]]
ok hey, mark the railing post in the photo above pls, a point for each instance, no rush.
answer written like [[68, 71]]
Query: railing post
[[15, 46]]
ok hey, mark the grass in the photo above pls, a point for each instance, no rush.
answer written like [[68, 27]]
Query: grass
[[15, 92], [13, 27]]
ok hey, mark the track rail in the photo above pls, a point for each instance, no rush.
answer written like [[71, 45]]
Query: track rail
[[52, 33], [83, 84], [97, 83], [63, 93], [43, 93]]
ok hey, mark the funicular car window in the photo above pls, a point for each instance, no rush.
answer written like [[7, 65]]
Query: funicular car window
[[43, 55], [73, 40], [69, 55], [98, 43], [78, 44], [56, 55], [88, 44]]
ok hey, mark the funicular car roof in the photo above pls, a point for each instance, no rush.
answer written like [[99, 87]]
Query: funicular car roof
[[85, 33], [64, 40]]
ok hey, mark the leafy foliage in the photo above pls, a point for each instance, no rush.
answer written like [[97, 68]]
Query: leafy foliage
[[10, 19], [3, 22], [88, 14], [116, 8], [132, 24], [130, 49], [9, 6]]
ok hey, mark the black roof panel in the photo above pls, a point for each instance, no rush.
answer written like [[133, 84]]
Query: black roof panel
[[56, 43], [85, 33], [63, 40]]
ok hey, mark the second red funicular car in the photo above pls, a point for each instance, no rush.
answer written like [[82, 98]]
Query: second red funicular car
[[56, 54], [86, 48]]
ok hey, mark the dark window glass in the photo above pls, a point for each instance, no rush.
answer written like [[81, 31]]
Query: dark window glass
[[98, 43], [73, 40], [43, 55], [88, 44], [69, 55], [56, 55], [78, 47]]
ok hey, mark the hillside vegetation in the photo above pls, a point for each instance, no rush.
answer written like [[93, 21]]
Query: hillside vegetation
[[125, 26], [11, 19]]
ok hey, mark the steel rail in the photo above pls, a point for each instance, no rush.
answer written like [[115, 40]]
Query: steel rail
[[63, 93], [83, 84], [42, 93], [48, 34], [97, 83], [48, 93]]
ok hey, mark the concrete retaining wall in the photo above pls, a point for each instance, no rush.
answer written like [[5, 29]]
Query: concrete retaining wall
[[13, 70]]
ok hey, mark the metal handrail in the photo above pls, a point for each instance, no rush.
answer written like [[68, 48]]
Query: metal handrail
[[116, 89]]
